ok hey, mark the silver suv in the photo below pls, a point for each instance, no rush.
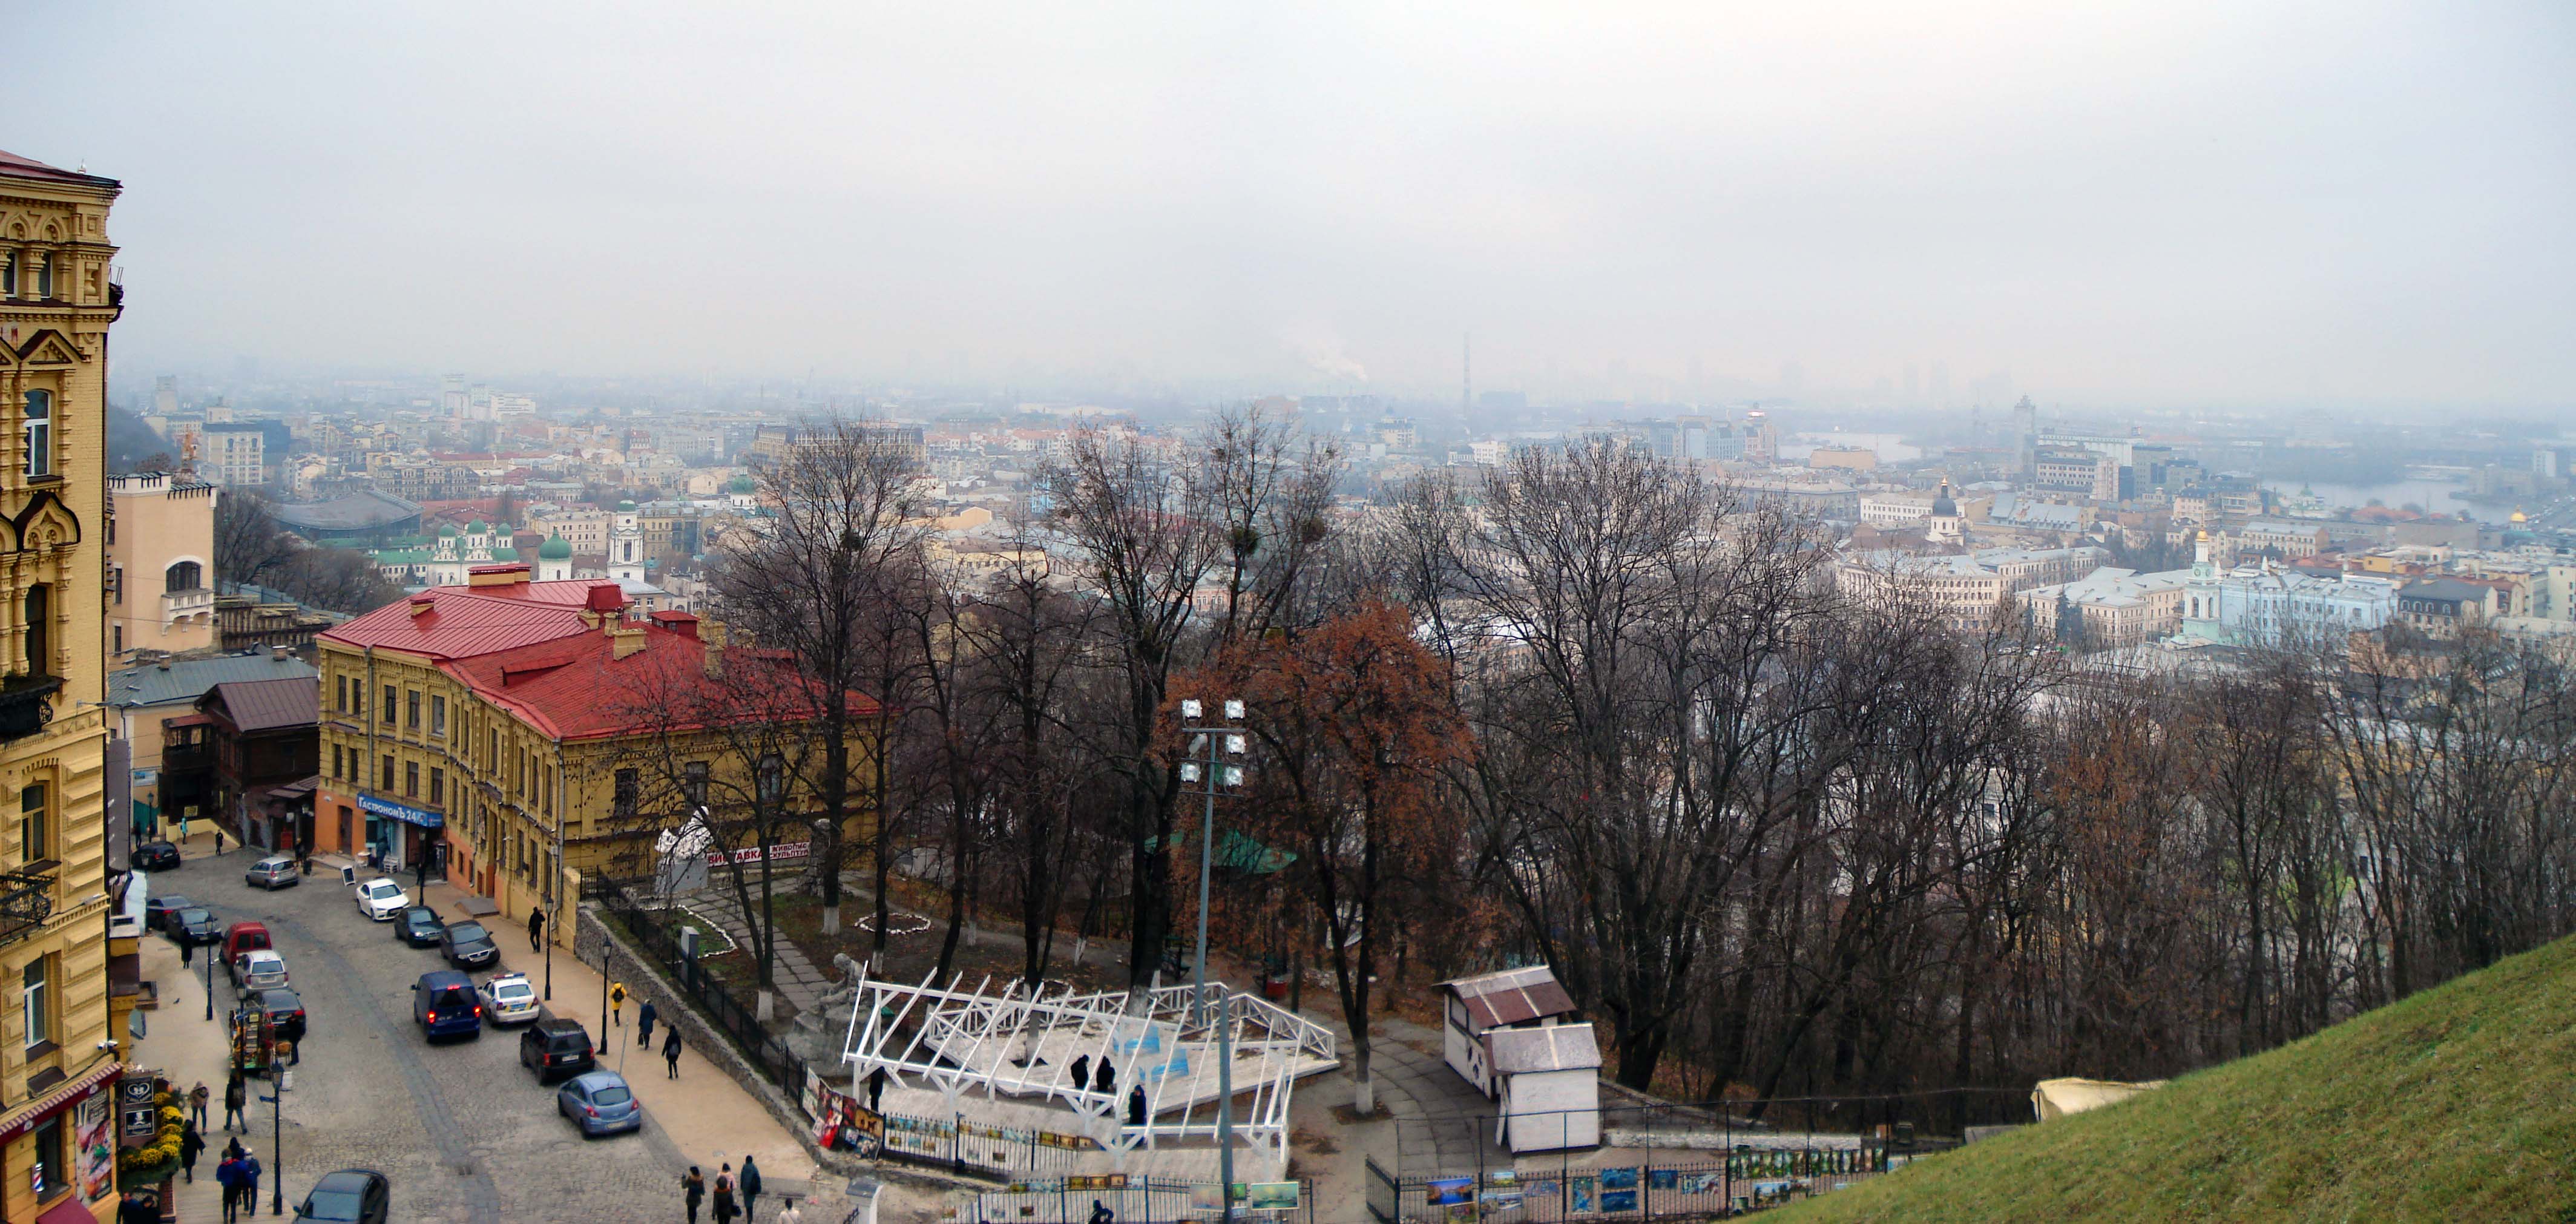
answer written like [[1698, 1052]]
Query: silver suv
[[275, 871]]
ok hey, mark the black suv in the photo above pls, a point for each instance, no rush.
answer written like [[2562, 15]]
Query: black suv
[[556, 1049], [154, 856]]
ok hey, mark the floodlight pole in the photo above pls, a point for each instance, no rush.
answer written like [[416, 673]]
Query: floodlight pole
[[1214, 737]]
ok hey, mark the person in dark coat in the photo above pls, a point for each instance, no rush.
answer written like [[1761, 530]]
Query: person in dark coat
[[228, 1176], [671, 1050], [190, 1144], [693, 1189], [1136, 1105], [536, 928], [1101, 1214], [644, 1025], [250, 1183], [1081, 1073], [876, 1089], [750, 1184], [236, 1095], [724, 1208], [1106, 1081]]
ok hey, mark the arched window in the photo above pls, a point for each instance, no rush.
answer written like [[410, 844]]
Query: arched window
[[9, 275], [45, 276], [181, 577], [40, 433], [40, 630]]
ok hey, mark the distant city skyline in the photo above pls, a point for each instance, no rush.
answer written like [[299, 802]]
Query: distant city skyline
[[2139, 205]]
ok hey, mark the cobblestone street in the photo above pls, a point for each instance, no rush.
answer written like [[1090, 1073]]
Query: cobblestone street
[[464, 1132]]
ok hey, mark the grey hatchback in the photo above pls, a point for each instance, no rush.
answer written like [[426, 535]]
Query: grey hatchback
[[274, 872], [599, 1103]]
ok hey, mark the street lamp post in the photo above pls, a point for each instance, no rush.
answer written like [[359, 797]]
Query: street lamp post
[[1222, 739]]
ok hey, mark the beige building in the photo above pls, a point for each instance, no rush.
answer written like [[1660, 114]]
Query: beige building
[[2117, 607], [1964, 588], [160, 564], [585, 530], [59, 1038]]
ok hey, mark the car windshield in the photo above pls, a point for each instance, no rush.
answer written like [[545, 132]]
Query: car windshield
[[419, 914], [511, 992], [465, 932], [173, 901], [331, 1205], [614, 1094], [383, 888], [192, 917]]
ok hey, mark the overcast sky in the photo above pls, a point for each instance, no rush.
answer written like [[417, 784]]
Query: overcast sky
[[2153, 202]]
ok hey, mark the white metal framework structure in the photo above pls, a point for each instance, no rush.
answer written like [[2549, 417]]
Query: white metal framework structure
[[1022, 1045]]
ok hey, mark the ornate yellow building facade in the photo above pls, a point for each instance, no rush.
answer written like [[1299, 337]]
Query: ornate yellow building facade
[[58, 1056]]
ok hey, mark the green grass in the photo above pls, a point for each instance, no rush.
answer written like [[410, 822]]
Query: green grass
[[2456, 1104]]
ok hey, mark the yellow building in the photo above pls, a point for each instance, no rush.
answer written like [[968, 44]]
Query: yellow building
[[501, 729], [58, 1049], [160, 564]]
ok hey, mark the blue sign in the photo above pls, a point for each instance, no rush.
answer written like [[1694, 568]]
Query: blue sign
[[401, 811]]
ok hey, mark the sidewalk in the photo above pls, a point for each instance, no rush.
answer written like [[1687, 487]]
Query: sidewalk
[[708, 1116]]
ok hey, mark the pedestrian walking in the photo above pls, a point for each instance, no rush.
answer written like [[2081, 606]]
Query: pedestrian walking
[[671, 1050], [617, 1004], [197, 1098], [724, 1208], [1082, 1073], [876, 1089], [1136, 1105], [219, 840], [644, 1018], [1104, 1079], [190, 1145], [693, 1191], [1101, 1214], [236, 1095], [420, 877], [789, 1214], [536, 928], [187, 952], [250, 1182], [750, 1188], [228, 1176]]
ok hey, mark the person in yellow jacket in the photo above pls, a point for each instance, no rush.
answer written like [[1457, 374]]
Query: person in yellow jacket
[[617, 1004]]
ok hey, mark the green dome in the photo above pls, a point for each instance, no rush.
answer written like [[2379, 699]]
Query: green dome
[[474, 528], [447, 533], [741, 484], [625, 506], [556, 548]]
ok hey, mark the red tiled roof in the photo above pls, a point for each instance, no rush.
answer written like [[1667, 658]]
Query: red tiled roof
[[576, 688], [14, 166], [267, 705], [466, 621]]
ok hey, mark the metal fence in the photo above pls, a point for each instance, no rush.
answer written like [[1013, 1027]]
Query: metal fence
[[659, 939], [1140, 1200], [1631, 1189]]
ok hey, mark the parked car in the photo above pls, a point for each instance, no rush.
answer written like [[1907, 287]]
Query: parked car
[[443, 1002], [285, 1011], [418, 925], [194, 927], [349, 1196], [467, 945], [154, 856], [261, 970], [554, 1048], [600, 1103], [157, 910], [508, 999], [380, 899], [274, 872], [245, 936]]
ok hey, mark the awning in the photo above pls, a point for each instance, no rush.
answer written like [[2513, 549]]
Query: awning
[[25, 1117], [69, 1211]]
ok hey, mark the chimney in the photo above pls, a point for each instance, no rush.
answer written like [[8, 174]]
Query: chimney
[[624, 641], [507, 574], [277, 653]]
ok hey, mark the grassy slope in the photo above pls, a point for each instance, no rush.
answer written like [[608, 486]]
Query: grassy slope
[[2458, 1104]]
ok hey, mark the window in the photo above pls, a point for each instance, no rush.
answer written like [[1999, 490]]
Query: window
[[39, 427], [40, 630], [385, 780], [627, 787], [45, 276], [344, 694], [182, 576], [35, 824], [411, 778], [411, 709], [437, 715], [694, 782], [118, 646], [335, 762], [437, 785], [48, 1171], [550, 789], [389, 704], [9, 275], [36, 1003], [773, 778]]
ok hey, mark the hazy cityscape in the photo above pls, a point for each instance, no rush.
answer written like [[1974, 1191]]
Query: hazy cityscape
[[1115, 615]]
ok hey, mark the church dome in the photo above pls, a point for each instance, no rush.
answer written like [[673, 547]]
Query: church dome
[[626, 507], [447, 532], [556, 548], [474, 528], [1942, 506], [2520, 517], [741, 484]]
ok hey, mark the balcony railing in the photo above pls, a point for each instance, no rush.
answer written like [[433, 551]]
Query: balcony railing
[[175, 604], [26, 901], [27, 704]]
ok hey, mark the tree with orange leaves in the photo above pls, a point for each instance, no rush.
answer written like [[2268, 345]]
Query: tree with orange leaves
[[1355, 720]]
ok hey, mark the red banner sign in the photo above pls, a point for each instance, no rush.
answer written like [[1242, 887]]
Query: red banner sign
[[791, 850]]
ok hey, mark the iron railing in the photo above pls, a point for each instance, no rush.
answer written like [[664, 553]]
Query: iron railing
[[26, 901]]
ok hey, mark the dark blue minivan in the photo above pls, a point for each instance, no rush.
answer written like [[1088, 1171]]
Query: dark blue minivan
[[444, 1003]]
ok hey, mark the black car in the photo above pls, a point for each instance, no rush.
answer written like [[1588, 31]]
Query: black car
[[194, 926], [157, 910], [418, 926], [556, 1049], [350, 1196], [467, 945], [154, 856], [285, 1012]]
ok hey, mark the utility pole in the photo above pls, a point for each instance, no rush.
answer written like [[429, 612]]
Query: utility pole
[[1225, 1104], [1210, 774]]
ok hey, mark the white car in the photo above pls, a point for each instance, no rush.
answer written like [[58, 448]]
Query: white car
[[508, 999], [380, 899], [261, 969]]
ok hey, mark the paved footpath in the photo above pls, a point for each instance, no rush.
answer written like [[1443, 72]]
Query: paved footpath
[[462, 1129]]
